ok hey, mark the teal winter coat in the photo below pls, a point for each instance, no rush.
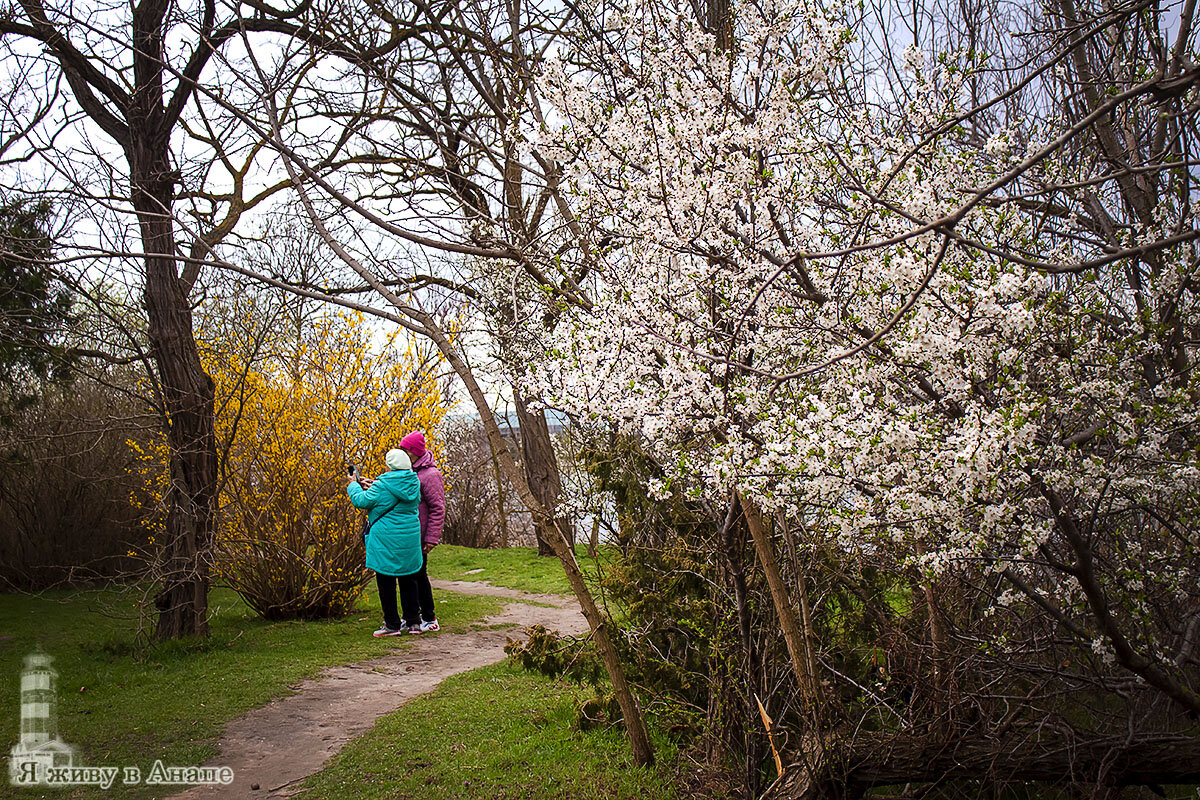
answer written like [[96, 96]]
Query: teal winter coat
[[394, 543]]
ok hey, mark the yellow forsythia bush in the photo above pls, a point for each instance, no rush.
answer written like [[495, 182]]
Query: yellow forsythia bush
[[288, 540]]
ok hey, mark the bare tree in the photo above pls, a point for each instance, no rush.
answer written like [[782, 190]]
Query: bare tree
[[383, 201], [121, 75]]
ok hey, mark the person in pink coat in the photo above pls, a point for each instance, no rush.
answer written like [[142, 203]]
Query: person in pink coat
[[432, 513]]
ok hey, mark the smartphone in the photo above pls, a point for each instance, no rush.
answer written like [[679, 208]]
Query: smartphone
[[351, 469]]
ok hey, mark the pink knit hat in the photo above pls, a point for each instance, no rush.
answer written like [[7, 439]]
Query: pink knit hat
[[414, 443]]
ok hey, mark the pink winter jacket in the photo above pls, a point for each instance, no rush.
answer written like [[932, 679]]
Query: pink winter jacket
[[432, 509]]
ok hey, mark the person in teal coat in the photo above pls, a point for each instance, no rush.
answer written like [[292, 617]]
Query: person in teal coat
[[393, 539]]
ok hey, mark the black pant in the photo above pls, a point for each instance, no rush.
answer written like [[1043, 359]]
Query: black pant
[[408, 598], [425, 591]]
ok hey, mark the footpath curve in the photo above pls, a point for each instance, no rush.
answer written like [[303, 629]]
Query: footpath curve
[[273, 748]]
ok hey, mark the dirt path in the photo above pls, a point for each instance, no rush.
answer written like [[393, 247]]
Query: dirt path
[[273, 748]]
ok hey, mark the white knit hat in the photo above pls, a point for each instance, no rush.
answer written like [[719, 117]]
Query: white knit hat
[[397, 459]]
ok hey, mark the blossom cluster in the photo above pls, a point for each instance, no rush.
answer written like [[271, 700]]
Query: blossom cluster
[[775, 309]]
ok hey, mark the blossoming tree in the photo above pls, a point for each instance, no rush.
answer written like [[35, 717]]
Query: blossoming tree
[[831, 301]]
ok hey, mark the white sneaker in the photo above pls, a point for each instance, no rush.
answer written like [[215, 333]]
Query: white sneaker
[[386, 631], [430, 627]]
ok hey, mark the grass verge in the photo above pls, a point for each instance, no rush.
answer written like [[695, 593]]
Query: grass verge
[[518, 568], [496, 733]]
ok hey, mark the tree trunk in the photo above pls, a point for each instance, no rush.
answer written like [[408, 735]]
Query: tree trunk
[[635, 726], [187, 393], [719, 22], [541, 471], [937, 633], [734, 544], [593, 545], [186, 390], [631, 711], [806, 617], [792, 636], [501, 497]]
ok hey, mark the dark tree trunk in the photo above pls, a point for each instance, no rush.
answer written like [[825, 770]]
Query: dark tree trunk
[[735, 537], [187, 396], [719, 22], [185, 389], [541, 471]]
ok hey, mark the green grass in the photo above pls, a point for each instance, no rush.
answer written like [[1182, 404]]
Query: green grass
[[121, 703], [498, 732], [515, 568]]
